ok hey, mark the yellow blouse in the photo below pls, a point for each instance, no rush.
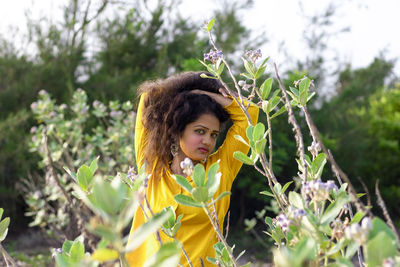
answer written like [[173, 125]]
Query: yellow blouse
[[196, 232]]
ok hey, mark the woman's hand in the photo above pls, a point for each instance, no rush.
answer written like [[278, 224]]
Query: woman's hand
[[223, 99]]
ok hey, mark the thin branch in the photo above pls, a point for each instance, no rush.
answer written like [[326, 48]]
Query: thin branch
[[382, 204], [152, 214], [296, 129], [53, 170], [369, 203], [185, 253], [219, 234], [7, 257], [352, 192], [227, 225]]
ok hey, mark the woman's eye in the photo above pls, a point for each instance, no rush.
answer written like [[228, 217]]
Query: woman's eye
[[200, 131], [214, 135]]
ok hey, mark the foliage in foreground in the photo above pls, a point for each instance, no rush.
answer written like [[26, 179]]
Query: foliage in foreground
[[315, 225]]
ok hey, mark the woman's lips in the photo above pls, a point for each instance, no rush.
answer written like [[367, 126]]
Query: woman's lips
[[203, 150]]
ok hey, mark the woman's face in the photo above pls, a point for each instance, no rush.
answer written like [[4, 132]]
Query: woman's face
[[199, 137]]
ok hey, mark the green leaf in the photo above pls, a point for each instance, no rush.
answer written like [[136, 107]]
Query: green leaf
[[359, 195], [267, 193], [199, 175], [66, 247], [273, 103], [183, 182], [93, 165], [213, 179], [84, 177], [200, 194], [4, 225], [260, 146], [278, 188], [146, 229], [380, 226], [62, 260], [357, 217], [264, 61], [210, 25], [170, 222], [168, 255], [220, 68], [239, 155], [334, 208], [249, 132], [282, 110], [187, 201], [318, 164], [351, 250], [285, 187], [247, 76], [203, 75], [294, 92], [379, 248], [249, 67], [1, 212], [77, 251], [71, 173], [296, 200], [109, 197], [260, 71], [265, 88], [212, 260], [310, 96], [4, 228], [258, 132], [303, 88], [224, 194]]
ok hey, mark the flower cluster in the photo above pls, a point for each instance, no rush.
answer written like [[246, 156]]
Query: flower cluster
[[187, 166], [357, 232], [253, 55], [338, 227], [213, 55], [245, 86], [131, 175], [318, 190], [282, 221], [314, 148], [296, 214]]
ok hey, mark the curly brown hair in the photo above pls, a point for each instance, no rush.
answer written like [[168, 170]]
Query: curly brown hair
[[169, 106]]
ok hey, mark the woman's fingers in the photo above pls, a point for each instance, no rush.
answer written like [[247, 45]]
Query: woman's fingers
[[223, 92]]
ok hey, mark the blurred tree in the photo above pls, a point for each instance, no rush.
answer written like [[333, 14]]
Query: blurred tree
[[135, 45], [348, 123]]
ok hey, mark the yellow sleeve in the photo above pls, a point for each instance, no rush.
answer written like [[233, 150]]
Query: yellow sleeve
[[228, 163], [140, 133]]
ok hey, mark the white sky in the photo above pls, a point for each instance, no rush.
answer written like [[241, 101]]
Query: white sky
[[374, 24]]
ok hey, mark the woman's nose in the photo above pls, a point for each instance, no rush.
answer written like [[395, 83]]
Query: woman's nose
[[207, 140]]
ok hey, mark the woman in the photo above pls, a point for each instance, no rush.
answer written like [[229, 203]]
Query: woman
[[181, 117]]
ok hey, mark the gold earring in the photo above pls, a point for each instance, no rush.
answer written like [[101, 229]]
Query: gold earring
[[174, 148]]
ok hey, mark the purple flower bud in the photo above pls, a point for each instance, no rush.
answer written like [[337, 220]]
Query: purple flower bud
[[213, 55], [84, 109], [43, 92], [33, 130], [34, 105], [131, 174], [96, 103]]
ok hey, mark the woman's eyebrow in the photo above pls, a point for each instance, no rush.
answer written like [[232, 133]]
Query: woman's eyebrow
[[199, 125]]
